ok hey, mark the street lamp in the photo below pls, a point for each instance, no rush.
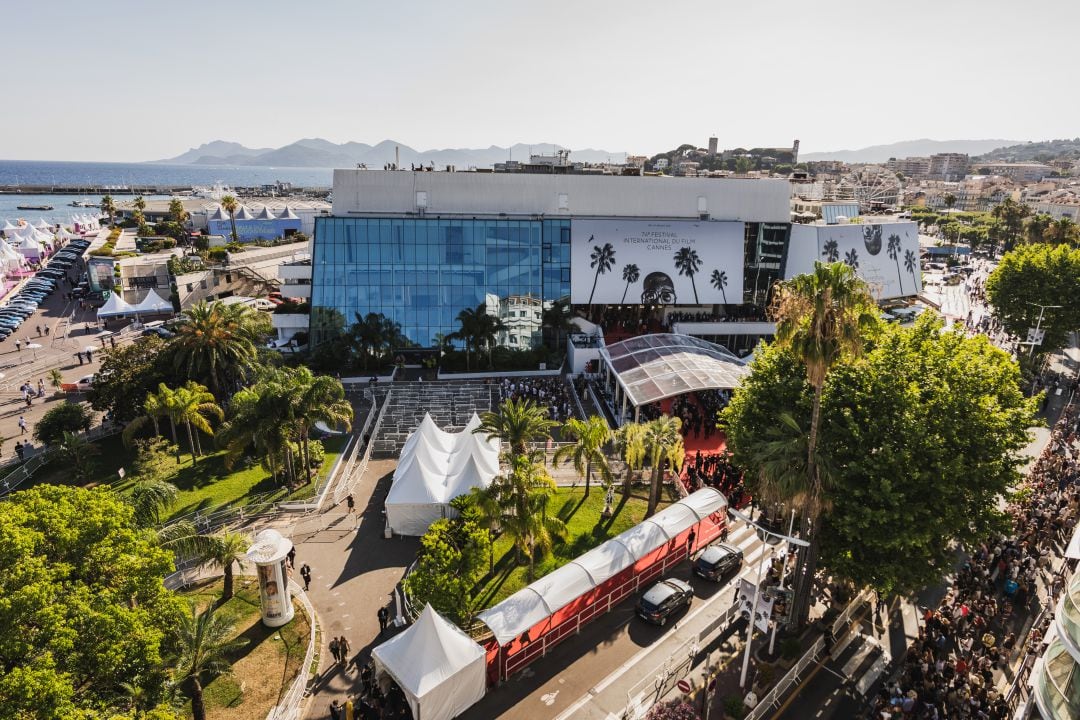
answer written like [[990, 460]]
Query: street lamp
[[757, 587]]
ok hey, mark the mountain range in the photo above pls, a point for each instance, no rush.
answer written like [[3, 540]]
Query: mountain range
[[909, 148], [319, 153]]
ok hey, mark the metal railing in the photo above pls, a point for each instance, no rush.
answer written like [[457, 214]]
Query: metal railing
[[26, 468], [289, 706], [345, 487]]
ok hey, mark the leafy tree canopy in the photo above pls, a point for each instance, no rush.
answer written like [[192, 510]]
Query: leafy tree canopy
[[453, 558], [128, 374], [64, 418], [920, 438], [1033, 275], [82, 605]]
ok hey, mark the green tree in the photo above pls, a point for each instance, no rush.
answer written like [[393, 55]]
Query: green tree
[[1033, 275], [204, 642], [663, 446], [1011, 214], [78, 453], [1063, 231], [373, 335], [128, 374], [217, 344], [317, 398], [586, 449], [68, 417], [225, 550], [139, 203], [108, 206], [630, 274], [820, 317], [230, 205], [190, 406], [602, 259], [949, 199], [83, 604], [688, 264], [449, 565], [630, 446], [517, 423], [1036, 227], [177, 212], [524, 496], [155, 407], [262, 417], [478, 328], [56, 379], [559, 320]]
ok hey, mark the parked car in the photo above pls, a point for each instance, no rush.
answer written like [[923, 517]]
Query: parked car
[[663, 599], [160, 332], [718, 560]]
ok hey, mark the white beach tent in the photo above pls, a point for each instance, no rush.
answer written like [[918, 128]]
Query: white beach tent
[[244, 214], [152, 304], [8, 230], [29, 247], [440, 669], [265, 214], [288, 214], [42, 225], [429, 431], [115, 307], [416, 499]]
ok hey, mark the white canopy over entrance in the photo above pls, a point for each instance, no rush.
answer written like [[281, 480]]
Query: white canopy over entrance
[[153, 303], [115, 307], [435, 467]]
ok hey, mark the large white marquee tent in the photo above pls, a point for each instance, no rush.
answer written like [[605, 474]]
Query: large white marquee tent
[[435, 467], [440, 668]]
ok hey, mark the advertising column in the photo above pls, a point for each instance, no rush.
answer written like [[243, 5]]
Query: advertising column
[[269, 553]]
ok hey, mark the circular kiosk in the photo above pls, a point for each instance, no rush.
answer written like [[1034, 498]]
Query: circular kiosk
[[269, 553]]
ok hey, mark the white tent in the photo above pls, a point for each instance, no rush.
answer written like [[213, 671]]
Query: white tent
[[244, 214], [8, 228], [441, 669], [288, 214], [435, 467], [42, 225], [29, 247], [151, 304], [219, 214], [115, 307], [265, 214]]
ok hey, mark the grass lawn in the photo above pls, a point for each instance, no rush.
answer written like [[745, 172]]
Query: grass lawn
[[585, 529], [263, 669], [204, 485]]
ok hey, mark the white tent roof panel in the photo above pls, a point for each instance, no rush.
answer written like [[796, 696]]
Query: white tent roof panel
[[515, 614], [604, 562]]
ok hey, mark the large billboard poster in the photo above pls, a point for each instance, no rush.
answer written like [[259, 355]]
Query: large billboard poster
[[885, 255], [656, 262]]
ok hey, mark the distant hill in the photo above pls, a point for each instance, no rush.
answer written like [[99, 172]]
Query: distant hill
[[316, 152], [1043, 151], [908, 148]]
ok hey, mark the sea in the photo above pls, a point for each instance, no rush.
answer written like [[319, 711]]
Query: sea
[[16, 173]]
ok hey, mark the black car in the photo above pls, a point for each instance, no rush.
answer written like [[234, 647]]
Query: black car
[[718, 560], [664, 598]]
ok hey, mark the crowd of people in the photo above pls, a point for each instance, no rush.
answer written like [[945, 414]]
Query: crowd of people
[[376, 700], [549, 392], [963, 646]]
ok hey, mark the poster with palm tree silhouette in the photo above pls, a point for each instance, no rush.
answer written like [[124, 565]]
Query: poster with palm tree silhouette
[[655, 262], [885, 255]]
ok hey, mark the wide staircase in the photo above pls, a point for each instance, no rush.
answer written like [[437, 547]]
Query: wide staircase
[[450, 402]]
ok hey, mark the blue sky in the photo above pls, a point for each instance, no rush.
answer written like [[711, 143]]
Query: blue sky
[[124, 80]]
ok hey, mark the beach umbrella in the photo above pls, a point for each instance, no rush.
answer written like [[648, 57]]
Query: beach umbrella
[[35, 347]]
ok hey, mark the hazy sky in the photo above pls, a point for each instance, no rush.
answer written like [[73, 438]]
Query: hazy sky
[[126, 80]]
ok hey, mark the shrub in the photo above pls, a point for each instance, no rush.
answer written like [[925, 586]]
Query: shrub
[[735, 707], [790, 648], [317, 452], [217, 254], [677, 710], [66, 418]]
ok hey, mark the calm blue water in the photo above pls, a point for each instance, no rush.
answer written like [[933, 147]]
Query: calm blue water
[[60, 213], [27, 172]]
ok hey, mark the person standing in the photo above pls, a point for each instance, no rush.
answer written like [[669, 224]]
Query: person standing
[[79, 355], [292, 556], [344, 648], [305, 573], [20, 450], [89, 355], [334, 650], [351, 503], [335, 710], [384, 619], [22, 425], [18, 345]]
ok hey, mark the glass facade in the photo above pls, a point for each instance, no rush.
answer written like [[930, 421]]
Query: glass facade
[[422, 272]]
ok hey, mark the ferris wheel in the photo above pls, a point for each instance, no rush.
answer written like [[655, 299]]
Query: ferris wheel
[[872, 190]]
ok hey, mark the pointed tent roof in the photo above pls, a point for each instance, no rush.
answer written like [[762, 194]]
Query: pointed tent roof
[[8, 226], [470, 475], [42, 225], [29, 243], [476, 449], [244, 214], [153, 303], [265, 214], [415, 485], [288, 214], [440, 668], [115, 307], [219, 214], [432, 433]]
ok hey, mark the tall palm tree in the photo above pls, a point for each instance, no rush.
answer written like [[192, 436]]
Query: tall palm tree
[[830, 250], [77, 453], [949, 199], [139, 203], [602, 258], [630, 273], [260, 416], [204, 641], [373, 334], [719, 281], [517, 423], [217, 344], [317, 398], [820, 317], [177, 212], [893, 249], [558, 318], [688, 263], [663, 445], [108, 206], [225, 550], [1063, 231], [1011, 214], [191, 405], [1037, 226], [911, 264], [155, 407], [630, 445], [230, 205], [588, 438], [478, 329], [527, 491]]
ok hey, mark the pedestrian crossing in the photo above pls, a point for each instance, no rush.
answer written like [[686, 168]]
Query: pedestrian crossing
[[862, 660]]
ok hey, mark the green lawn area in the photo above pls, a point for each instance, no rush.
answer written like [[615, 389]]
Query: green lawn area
[[264, 668], [204, 485], [585, 530]]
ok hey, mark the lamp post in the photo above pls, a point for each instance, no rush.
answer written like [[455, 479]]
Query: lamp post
[[757, 589]]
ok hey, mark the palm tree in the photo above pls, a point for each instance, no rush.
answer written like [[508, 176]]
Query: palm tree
[[588, 438], [558, 318], [225, 550], [719, 281], [1011, 214], [478, 329], [1063, 231], [139, 203], [893, 249], [851, 258], [631, 274], [517, 423], [603, 259], [155, 407], [830, 250], [78, 453], [527, 491], [374, 334], [150, 498], [216, 344], [630, 445], [230, 205], [317, 398], [204, 641], [663, 445], [191, 405], [1037, 226], [949, 199], [56, 379], [177, 212], [911, 263], [260, 416], [820, 317], [688, 263], [108, 206]]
